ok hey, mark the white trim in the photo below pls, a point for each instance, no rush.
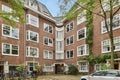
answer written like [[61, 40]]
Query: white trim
[[44, 25], [48, 41], [69, 39], [29, 17], [10, 36], [37, 55], [84, 54], [103, 24], [84, 35], [10, 50], [48, 56], [69, 26], [28, 34], [69, 54]]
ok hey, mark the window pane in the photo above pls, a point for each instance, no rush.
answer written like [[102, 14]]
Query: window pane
[[15, 33], [33, 36], [6, 48], [14, 50], [46, 41], [6, 30]]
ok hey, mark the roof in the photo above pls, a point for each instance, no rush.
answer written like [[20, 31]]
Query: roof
[[40, 7]]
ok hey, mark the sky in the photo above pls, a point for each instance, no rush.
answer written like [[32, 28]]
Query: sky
[[52, 6]]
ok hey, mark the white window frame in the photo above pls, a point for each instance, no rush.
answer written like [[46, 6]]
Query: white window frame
[[33, 5], [10, 49], [103, 28], [108, 46], [51, 45], [9, 10], [81, 17], [59, 47], [11, 28], [69, 40], [34, 63], [4, 7], [28, 36], [86, 51], [97, 67], [59, 56], [28, 52], [28, 20], [116, 44], [48, 54], [48, 26], [48, 68], [69, 26], [84, 34], [83, 68], [69, 54]]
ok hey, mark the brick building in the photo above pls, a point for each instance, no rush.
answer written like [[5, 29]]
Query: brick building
[[52, 43]]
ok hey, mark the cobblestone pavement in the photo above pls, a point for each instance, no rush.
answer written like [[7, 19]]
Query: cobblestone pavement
[[59, 77]]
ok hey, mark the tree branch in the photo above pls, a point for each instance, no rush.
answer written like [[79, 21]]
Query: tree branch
[[89, 10], [116, 11]]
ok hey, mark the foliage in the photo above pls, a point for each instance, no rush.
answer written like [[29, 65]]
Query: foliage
[[73, 70], [105, 67], [100, 58], [17, 12], [81, 5], [20, 68], [89, 25], [37, 67]]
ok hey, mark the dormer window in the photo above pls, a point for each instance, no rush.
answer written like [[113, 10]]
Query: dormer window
[[33, 4]]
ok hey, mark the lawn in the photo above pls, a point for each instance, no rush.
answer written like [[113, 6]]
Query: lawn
[[59, 77]]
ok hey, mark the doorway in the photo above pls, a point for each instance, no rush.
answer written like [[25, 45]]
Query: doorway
[[59, 68]]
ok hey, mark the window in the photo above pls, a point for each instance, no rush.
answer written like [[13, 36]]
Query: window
[[106, 5], [116, 23], [60, 35], [81, 17], [69, 26], [48, 54], [117, 43], [83, 50], [32, 51], [33, 4], [10, 49], [106, 46], [97, 67], [32, 36], [48, 28], [59, 46], [9, 31], [81, 34], [6, 8], [69, 54], [9, 10], [69, 40], [59, 56], [83, 66], [48, 68], [31, 66], [32, 20], [48, 41]]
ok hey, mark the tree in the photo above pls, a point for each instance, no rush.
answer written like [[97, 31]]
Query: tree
[[112, 7], [16, 13]]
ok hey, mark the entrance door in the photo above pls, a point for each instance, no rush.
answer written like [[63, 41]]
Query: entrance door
[[1, 68], [59, 68]]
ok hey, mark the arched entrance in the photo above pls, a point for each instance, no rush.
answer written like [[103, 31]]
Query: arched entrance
[[59, 68]]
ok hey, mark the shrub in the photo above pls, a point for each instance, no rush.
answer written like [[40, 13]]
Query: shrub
[[72, 70]]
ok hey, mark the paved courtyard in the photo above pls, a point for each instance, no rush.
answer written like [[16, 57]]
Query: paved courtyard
[[59, 77]]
